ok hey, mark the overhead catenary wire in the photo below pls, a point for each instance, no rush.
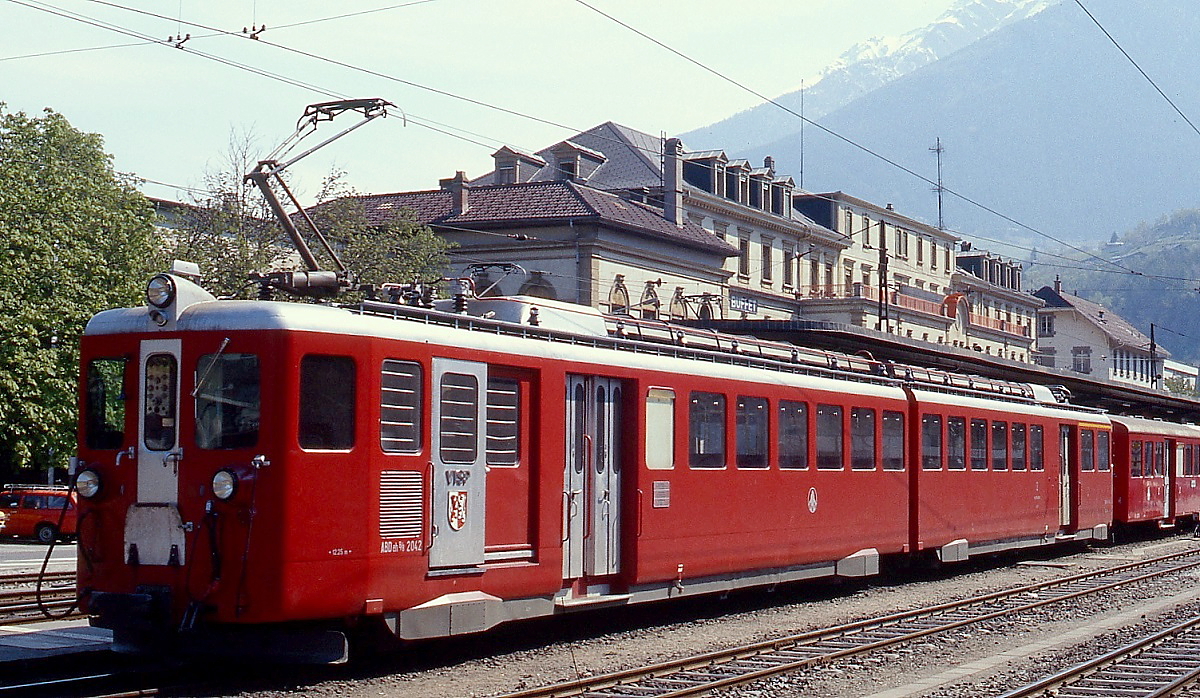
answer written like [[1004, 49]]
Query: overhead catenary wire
[[848, 141], [426, 123], [1139, 68]]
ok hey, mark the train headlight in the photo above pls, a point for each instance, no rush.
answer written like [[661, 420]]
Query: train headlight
[[87, 483], [160, 291], [224, 484]]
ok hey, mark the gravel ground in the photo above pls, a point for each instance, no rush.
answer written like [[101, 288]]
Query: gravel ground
[[545, 652]]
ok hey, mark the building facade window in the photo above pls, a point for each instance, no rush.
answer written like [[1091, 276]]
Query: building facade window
[[744, 257], [768, 271], [1081, 359], [1045, 325], [789, 256]]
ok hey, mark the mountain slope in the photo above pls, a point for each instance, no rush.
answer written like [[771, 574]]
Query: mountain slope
[[1043, 120], [862, 68]]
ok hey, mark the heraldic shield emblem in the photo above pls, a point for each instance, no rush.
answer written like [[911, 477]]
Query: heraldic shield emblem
[[457, 511]]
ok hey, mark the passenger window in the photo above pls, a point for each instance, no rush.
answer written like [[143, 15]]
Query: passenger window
[[931, 442], [752, 437], [1018, 446], [862, 438], [9, 501], [793, 435], [1103, 455], [1036, 448], [893, 440], [503, 423], [956, 443], [227, 401], [706, 422], [660, 429], [104, 404], [1135, 459], [400, 400], [158, 415], [831, 437], [458, 431], [1160, 461], [327, 393], [999, 446], [1087, 454], [979, 444]]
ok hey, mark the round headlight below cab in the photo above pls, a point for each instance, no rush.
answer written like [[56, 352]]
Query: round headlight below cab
[[224, 484], [160, 291], [87, 483]]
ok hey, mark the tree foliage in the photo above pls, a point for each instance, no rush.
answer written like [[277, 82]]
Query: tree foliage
[[229, 230], [75, 238], [396, 250]]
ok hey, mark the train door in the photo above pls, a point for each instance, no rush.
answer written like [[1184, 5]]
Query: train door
[[159, 452], [592, 479], [153, 527], [1066, 469], [1173, 469], [459, 448]]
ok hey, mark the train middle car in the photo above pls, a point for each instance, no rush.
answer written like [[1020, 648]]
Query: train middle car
[[256, 469]]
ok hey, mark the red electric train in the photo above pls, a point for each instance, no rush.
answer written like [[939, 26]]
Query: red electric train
[[270, 476]]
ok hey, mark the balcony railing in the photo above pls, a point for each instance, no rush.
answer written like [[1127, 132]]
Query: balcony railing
[[1000, 325], [871, 293]]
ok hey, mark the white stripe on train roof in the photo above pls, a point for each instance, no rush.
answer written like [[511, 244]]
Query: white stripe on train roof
[[932, 399], [1153, 426], [234, 316]]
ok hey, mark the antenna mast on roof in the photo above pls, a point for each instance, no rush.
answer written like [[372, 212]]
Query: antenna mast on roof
[[314, 282], [938, 149]]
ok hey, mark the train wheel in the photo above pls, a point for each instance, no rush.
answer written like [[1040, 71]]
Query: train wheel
[[45, 533]]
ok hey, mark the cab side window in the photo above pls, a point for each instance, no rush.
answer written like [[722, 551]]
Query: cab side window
[[327, 395], [104, 404]]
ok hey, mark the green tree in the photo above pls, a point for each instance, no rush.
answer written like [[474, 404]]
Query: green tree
[[75, 238]]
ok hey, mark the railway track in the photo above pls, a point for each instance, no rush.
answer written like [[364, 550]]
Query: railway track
[[19, 601], [1163, 664], [707, 672]]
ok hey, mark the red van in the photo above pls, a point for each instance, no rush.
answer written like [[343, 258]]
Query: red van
[[34, 511]]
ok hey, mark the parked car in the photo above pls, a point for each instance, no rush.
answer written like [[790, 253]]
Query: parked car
[[34, 511]]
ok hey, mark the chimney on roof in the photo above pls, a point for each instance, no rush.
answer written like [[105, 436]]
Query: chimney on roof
[[457, 186], [1057, 284], [673, 182]]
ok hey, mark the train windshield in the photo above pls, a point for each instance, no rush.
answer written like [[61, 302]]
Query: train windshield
[[227, 401], [104, 405]]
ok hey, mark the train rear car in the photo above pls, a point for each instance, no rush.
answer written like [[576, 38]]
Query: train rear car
[[1156, 472]]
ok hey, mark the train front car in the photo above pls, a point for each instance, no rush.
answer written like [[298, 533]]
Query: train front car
[[182, 467]]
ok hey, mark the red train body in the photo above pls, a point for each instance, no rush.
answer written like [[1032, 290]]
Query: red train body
[[254, 471]]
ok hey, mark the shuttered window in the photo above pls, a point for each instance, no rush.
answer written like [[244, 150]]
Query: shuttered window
[[400, 407]]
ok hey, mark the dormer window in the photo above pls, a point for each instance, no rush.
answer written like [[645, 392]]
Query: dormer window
[[514, 166], [706, 170], [574, 161]]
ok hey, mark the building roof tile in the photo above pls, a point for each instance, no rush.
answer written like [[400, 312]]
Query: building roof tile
[[539, 203]]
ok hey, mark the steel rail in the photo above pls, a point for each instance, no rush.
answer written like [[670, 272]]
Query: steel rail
[[1156, 665], [724, 668], [25, 578]]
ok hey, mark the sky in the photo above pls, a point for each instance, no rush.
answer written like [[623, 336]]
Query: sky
[[465, 76]]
